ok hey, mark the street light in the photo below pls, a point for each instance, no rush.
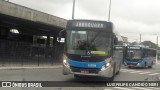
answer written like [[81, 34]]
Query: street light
[[157, 50], [73, 9], [109, 10]]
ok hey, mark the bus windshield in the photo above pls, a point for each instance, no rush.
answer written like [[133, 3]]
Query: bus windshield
[[134, 54], [78, 42]]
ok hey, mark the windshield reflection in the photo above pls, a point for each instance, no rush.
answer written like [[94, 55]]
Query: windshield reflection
[[80, 41], [134, 54]]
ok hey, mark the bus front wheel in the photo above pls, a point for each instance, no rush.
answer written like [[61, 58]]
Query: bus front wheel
[[145, 65], [150, 65]]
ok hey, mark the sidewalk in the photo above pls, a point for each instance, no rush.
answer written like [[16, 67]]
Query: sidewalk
[[58, 65]]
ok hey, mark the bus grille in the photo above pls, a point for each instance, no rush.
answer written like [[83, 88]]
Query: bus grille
[[75, 69]]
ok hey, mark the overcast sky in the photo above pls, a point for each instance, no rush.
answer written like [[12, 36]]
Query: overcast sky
[[130, 17]]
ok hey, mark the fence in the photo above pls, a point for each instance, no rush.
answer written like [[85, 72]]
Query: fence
[[18, 53]]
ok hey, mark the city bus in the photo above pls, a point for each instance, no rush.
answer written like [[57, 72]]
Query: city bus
[[89, 49], [139, 56], [121, 50]]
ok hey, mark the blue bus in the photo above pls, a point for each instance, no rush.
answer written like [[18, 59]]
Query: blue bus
[[139, 56], [120, 50], [89, 49]]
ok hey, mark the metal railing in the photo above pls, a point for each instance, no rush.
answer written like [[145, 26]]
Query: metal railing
[[16, 53]]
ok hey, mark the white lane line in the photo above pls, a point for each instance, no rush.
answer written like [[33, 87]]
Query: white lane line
[[144, 72], [126, 70], [107, 89], [154, 88], [136, 71], [141, 88], [154, 74], [123, 88]]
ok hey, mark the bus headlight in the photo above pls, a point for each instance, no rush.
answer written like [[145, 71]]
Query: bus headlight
[[103, 68], [65, 63], [138, 64], [108, 64]]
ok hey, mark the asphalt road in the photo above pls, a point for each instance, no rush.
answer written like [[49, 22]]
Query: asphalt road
[[55, 74]]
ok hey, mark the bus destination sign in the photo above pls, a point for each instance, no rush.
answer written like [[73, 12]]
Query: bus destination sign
[[88, 24], [133, 47]]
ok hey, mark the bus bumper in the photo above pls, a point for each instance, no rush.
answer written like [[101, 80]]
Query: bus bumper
[[134, 65], [107, 72]]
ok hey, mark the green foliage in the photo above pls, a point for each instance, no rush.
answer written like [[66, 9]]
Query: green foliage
[[147, 43]]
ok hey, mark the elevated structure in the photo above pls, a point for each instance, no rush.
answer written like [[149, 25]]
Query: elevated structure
[[28, 45], [16, 16]]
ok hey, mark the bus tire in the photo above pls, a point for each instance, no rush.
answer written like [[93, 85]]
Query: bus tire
[[151, 65], [129, 66], [145, 65]]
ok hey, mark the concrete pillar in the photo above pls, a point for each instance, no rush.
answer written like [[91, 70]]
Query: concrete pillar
[[55, 40], [47, 47], [55, 48], [48, 41]]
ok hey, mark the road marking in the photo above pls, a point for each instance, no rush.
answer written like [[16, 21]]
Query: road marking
[[154, 88], [107, 89], [141, 88], [136, 71], [123, 88], [139, 72], [144, 72], [126, 70], [154, 74]]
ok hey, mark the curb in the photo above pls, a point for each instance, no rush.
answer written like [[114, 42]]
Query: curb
[[40, 67]]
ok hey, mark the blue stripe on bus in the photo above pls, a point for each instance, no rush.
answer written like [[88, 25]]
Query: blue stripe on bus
[[86, 64]]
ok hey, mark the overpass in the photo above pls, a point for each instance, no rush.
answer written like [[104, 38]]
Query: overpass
[[16, 16], [31, 25]]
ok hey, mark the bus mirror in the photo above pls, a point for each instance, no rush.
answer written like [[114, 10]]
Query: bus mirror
[[115, 41]]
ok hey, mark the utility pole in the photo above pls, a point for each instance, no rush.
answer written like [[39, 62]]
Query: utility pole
[[140, 39], [73, 9], [157, 50], [109, 10]]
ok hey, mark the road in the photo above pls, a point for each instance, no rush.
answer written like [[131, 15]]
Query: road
[[55, 74]]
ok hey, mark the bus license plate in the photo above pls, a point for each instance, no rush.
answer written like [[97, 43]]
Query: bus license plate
[[84, 71]]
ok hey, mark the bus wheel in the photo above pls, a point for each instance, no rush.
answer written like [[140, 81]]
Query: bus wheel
[[145, 65], [129, 66], [151, 65]]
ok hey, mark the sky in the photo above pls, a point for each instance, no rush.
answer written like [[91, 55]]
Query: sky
[[130, 17]]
